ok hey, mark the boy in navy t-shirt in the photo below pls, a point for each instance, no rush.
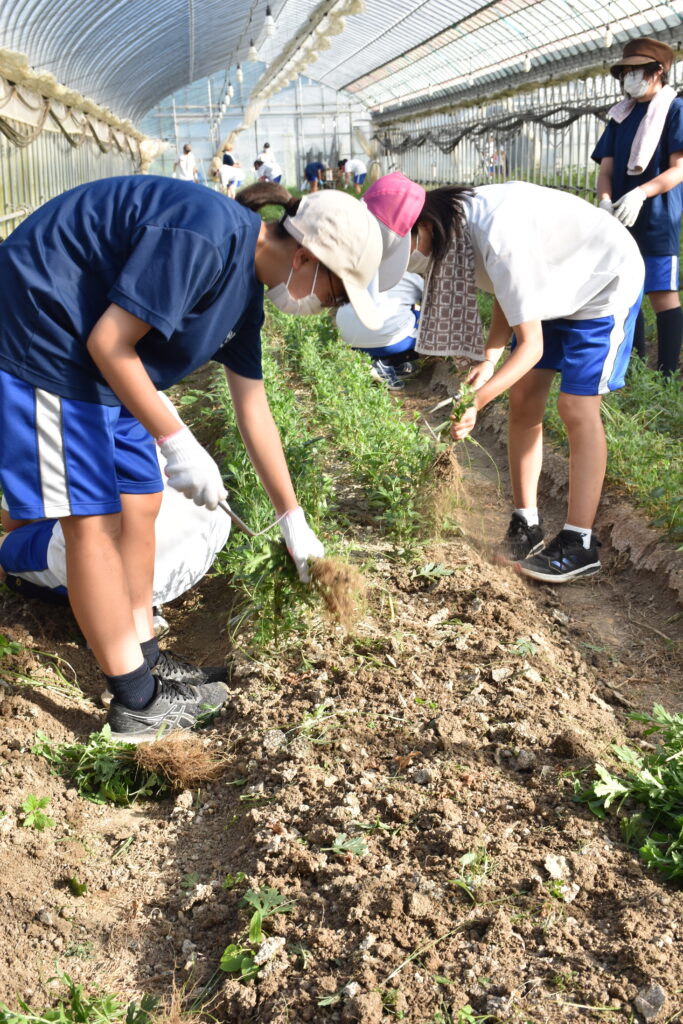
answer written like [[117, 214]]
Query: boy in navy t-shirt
[[111, 291], [641, 169]]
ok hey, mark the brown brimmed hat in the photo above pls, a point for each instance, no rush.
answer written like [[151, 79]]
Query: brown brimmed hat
[[638, 52]]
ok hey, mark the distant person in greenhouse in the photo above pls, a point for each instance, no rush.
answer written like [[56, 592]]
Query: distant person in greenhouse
[[185, 167], [641, 170], [266, 155], [567, 285], [354, 172], [268, 172], [392, 346], [314, 172], [113, 291], [231, 172]]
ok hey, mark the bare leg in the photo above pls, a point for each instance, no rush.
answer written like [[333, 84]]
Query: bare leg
[[109, 567], [587, 456], [528, 399]]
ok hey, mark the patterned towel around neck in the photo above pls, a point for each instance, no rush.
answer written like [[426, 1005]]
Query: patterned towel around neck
[[449, 323]]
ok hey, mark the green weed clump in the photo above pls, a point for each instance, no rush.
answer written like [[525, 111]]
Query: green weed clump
[[381, 450], [647, 792], [105, 771], [79, 1008]]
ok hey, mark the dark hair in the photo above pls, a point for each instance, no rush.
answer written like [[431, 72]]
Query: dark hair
[[268, 193], [648, 69], [443, 210], [341, 164], [187, 147]]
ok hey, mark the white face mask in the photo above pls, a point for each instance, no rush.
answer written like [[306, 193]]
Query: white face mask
[[635, 84], [419, 263], [281, 297]]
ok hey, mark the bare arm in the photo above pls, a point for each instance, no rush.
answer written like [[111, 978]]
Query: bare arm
[[262, 440], [111, 345], [667, 180], [605, 178]]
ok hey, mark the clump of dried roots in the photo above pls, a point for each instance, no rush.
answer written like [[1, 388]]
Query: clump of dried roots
[[181, 758], [341, 587]]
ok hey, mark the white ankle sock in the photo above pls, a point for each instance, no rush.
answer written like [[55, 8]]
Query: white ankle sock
[[529, 514], [585, 534]]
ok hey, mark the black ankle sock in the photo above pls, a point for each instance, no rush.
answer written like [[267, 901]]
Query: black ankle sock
[[133, 689], [150, 651], [639, 336], [669, 335]]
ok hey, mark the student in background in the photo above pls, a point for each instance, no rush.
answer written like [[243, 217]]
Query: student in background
[[641, 170], [313, 174], [354, 171], [185, 167], [268, 171]]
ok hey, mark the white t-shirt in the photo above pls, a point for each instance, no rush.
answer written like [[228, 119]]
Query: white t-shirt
[[186, 167], [546, 254], [355, 166], [269, 171], [188, 538], [267, 156], [395, 306]]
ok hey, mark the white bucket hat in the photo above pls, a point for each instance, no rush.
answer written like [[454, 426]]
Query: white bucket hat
[[345, 237]]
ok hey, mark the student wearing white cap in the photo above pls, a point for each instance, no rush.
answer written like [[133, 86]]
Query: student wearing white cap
[[140, 281]]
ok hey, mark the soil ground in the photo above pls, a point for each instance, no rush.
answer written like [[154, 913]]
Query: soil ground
[[451, 725]]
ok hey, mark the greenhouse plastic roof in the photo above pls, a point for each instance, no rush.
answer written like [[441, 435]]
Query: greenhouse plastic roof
[[131, 54]]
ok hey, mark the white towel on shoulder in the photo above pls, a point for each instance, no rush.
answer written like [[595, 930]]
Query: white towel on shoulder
[[650, 128]]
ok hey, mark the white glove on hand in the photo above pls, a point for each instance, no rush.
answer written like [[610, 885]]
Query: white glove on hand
[[607, 205], [301, 542], [628, 207], [191, 470]]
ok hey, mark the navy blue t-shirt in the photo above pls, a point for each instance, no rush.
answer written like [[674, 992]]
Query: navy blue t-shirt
[[658, 227], [312, 169], [179, 257]]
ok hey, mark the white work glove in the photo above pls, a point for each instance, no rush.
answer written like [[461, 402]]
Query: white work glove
[[301, 542], [191, 470], [628, 207], [607, 205]]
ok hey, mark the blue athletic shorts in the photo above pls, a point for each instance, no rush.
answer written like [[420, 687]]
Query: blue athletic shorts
[[403, 345], [661, 273], [60, 457], [359, 179], [592, 355]]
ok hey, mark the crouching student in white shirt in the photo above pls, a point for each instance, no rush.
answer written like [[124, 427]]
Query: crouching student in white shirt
[[392, 346]]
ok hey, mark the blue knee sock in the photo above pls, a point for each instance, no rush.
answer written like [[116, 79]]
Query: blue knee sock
[[133, 689]]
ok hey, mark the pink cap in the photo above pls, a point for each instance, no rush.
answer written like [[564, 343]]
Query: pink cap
[[396, 202]]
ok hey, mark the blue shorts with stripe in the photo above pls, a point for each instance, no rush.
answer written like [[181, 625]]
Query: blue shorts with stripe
[[61, 457], [359, 179], [661, 273], [592, 355]]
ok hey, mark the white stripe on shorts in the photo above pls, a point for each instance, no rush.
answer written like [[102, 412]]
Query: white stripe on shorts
[[673, 280], [616, 338], [51, 461]]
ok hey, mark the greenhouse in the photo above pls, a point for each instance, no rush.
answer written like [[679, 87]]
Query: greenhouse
[[341, 682]]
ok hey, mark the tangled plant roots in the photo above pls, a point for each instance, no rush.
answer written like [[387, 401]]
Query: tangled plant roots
[[446, 491], [181, 758], [341, 587]]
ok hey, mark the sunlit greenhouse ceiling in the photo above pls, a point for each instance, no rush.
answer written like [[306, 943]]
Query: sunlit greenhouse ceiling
[[389, 54]]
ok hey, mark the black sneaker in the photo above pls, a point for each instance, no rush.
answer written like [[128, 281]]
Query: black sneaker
[[178, 670], [407, 369], [386, 375], [565, 558], [521, 540], [174, 706]]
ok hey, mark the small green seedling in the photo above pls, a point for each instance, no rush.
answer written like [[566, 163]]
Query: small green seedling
[[76, 887], [80, 1008], [189, 881], [475, 865], [432, 571], [266, 902], [344, 845], [33, 806], [230, 881], [376, 826], [238, 959]]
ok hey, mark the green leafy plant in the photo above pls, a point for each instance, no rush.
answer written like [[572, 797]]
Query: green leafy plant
[[189, 881], [101, 769], [475, 865], [79, 1008], [344, 845], [76, 887], [463, 401], [265, 902], [230, 881], [239, 959], [647, 793], [33, 808], [432, 571]]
